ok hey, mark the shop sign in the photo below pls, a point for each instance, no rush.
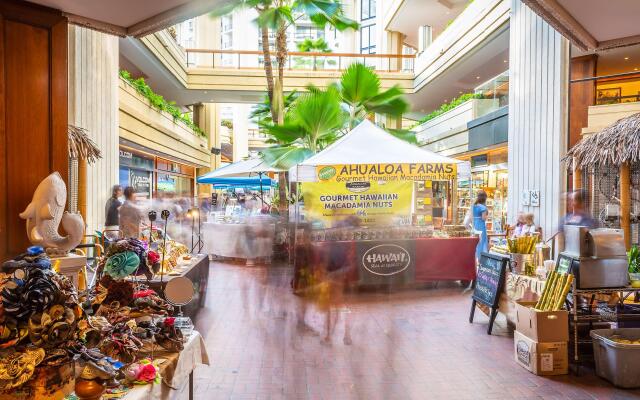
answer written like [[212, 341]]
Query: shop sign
[[140, 181], [126, 154], [386, 259], [371, 202], [386, 172], [386, 262]]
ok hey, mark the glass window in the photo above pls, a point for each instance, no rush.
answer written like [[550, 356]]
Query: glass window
[[367, 9], [368, 39]]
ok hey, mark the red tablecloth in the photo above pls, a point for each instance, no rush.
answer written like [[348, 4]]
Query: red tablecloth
[[436, 259], [446, 259]]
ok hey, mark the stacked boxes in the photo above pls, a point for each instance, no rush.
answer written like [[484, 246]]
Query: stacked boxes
[[540, 340]]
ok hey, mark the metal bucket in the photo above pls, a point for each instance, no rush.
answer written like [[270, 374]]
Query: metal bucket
[[518, 262]]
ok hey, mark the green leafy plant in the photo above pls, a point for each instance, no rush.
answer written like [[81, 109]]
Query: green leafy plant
[[158, 102], [633, 256], [274, 18], [310, 125], [309, 45], [449, 106], [361, 92]]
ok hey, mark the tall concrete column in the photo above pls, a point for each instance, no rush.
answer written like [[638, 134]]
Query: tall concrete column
[[394, 46], [538, 92], [93, 105], [241, 131]]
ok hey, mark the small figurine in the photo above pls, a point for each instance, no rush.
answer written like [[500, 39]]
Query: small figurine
[[45, 213]]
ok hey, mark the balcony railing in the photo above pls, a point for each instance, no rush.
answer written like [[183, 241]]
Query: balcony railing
[[252, 59]]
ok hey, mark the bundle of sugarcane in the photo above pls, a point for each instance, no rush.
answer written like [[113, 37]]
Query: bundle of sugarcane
[[555, 292], [523, 244]]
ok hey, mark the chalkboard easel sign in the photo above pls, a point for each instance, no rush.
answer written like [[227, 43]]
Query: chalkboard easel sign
[[488, 284]]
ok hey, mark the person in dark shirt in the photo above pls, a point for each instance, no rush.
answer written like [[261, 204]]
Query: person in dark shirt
[[111, 215]]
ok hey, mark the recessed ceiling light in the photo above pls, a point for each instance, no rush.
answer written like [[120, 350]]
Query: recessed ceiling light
[[477, 77], [460, 92], [626, 58], [504, 61], [635, 69]]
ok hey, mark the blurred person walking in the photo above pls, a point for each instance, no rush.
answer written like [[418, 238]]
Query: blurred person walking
[[578, 214], [131, 215], [480, 214], [111, 211]]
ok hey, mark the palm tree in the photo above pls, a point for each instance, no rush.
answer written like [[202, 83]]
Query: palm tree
[[312, 123], [309, 45], [360, 91], [275, 17]]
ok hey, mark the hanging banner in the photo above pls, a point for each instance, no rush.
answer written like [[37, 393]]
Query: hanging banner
[[386, 172], [372, 202]]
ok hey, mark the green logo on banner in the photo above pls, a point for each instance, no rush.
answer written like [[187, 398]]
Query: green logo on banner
[[326, 173]]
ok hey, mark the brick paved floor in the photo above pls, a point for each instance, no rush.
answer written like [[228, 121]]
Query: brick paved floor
[[409, 345]]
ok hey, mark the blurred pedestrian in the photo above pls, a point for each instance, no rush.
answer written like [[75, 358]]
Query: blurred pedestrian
[[131, 215], [480, 214], [111, 211], [578, 214]]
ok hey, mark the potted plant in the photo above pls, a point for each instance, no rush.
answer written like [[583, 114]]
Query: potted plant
[[634, 266]]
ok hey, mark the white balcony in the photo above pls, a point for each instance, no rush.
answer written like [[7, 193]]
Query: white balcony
[[463, 36], [143, 124], [448, 133]]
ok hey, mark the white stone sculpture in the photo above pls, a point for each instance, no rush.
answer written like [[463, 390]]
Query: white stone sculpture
[[45, 213]]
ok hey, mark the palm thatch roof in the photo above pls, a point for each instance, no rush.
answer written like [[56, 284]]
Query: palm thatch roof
[[81, 146], [612, 146]]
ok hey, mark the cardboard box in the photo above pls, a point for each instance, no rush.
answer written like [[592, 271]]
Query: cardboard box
[[542, 326], [550, 358]]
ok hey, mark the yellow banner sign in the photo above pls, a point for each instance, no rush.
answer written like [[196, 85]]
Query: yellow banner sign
[[386, 172], [372, 203]]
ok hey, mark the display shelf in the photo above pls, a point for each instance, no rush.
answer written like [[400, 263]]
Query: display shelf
[[583, 309]]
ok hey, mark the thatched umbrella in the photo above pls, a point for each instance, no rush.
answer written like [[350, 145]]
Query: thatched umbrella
[[81, 147], [613, 146], [617, 145]]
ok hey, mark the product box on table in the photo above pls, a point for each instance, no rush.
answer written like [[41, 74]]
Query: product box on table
[[542, 326], [541, 358]]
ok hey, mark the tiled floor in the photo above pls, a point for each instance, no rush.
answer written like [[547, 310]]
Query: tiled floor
[[409, 345]]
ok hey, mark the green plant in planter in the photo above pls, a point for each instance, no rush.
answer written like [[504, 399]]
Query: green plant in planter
[[633, 256], [158, 102]]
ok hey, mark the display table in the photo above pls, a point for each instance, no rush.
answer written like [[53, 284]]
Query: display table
[[248, 241], [431, 259], [176, 371], [197, 270]]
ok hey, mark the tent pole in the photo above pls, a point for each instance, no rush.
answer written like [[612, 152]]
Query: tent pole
[[625, 202], [261, 194]]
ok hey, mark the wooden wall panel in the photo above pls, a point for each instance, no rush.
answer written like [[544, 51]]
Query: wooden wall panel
[[33, 111], [581, 95], [538, 84]]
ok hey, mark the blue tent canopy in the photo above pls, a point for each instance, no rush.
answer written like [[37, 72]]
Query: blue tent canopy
[[236, 181]]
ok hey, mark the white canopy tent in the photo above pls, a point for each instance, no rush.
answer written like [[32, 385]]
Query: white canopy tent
[[242, 168], [366, 144]]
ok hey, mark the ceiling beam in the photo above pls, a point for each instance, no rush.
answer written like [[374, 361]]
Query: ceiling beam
[[174, 16], [446, 3], [621, 42], [559, 18], [99, 26]]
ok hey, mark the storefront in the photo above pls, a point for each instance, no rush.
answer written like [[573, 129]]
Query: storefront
[[488, 159], [150, 175], [488, 173], [382, 213]]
